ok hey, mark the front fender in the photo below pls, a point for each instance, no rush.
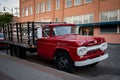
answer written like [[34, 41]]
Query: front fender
[[72, 51]]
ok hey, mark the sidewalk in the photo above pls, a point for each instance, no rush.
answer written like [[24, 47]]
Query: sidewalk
[[12, 68]]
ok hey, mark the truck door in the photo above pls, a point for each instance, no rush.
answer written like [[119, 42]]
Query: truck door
[[43, 45]]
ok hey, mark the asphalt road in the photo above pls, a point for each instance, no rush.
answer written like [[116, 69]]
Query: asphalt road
[[108, 69]]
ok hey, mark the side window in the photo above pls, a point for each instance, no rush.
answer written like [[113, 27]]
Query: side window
[[107, 29], [46, 32]]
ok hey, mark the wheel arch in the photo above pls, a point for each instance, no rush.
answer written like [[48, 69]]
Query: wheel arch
[[58, 50], [63, 52]]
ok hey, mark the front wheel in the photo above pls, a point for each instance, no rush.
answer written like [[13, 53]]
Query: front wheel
[[64, 63]]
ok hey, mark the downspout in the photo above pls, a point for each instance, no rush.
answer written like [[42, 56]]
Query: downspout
[[34, 11]]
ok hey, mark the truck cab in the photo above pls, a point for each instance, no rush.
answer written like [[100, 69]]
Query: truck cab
[[63, 44]]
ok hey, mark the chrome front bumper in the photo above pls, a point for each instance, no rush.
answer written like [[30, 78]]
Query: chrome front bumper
[[91, 61]]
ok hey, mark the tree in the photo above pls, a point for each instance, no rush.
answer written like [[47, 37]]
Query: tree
[[5, 18]]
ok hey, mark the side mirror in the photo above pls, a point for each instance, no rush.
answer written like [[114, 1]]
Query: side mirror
[[39, 32]]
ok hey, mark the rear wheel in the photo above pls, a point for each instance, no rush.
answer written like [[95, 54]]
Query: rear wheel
[[11, 50], [64, 62], [18, 51]]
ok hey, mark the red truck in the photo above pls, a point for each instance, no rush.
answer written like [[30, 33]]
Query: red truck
[[55, 41]]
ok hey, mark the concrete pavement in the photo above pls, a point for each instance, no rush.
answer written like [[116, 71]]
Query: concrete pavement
[[12, 68]]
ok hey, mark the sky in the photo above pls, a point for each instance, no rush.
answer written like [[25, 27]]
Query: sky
[[9, 4]]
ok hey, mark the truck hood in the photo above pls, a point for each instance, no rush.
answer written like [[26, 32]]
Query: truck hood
[[80, 40]]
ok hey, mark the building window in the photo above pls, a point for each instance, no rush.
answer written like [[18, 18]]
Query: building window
[[48, 5], [89, 18], [104, 17], [68, 3], [82, 19], [113, 16], [108, 29], [68, 19], [31, 10], [23, 12], [42, 7], [88, 1], [109, 16], [26, 11], [57, 4], [85, 19], [37, 8], [77, 2], [118, 30], [86, 30], [77, 19]]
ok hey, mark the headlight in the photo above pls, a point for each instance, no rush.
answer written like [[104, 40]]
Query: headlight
[[81, 51], [103, 46]]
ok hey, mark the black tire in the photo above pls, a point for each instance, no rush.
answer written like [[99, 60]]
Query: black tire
[[22, 52], [18, 52], [11, 50], [64, 62]]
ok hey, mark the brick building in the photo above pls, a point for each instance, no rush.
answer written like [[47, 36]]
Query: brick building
[[79, 12]]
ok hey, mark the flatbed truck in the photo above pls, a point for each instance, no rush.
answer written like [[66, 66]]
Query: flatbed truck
[[57, 41]]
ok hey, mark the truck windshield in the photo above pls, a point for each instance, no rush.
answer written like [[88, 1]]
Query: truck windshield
[[63, 30]]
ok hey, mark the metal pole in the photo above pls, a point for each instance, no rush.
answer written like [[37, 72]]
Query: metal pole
[[12, 11]]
